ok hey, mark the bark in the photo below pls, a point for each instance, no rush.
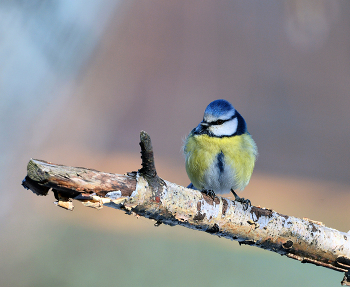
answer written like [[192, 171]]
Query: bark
[[145, 194]]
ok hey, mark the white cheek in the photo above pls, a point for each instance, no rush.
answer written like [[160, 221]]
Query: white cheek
[[226, 129]]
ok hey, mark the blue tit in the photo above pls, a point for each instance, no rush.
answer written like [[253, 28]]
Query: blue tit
[[220, 153]]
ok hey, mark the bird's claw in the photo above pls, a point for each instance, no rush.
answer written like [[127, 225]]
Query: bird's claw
[[245, 202]]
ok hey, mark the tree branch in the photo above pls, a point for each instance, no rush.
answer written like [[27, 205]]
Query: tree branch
[[145, 194]]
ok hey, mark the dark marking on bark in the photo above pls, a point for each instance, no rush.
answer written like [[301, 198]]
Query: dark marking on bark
[[210, 200], [258, 212], [35, 187], [158, 222], [83, 197], [132, 174], [214, 229], [247, 242], [216, 200], [199, 206], [313, 229], [224, 206], [343, 261], [288, 244], [199, 216], [63, 196]]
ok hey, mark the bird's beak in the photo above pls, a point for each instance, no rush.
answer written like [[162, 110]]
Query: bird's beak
[[201, 128]]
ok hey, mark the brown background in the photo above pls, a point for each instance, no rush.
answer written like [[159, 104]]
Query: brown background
[[154, 66]]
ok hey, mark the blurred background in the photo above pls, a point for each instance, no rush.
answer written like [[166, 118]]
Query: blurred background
[[80, 79]]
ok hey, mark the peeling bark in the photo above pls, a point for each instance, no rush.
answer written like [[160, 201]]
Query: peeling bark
[[145, 194]]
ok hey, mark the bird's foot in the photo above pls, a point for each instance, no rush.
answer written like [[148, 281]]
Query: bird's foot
[[210, 193], [245, 202]]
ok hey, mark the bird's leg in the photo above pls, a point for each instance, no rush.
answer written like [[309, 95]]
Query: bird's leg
[[246, 202], [209, 192]]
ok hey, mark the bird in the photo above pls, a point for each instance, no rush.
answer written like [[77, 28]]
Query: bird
[[220, 152]]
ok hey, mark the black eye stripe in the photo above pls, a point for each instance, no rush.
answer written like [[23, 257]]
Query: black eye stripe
[[220, 122]]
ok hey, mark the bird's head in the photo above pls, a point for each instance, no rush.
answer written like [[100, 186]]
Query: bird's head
[[221, 119]]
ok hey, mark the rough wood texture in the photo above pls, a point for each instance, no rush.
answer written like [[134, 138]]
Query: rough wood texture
[[145, 194], [78, 183]]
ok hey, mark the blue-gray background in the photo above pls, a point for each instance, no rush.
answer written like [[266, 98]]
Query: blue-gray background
[[80, 79]]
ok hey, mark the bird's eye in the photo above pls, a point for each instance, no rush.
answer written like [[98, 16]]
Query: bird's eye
[[219, 122]]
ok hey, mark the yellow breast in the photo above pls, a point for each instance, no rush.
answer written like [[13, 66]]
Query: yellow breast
[[202, 166]]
